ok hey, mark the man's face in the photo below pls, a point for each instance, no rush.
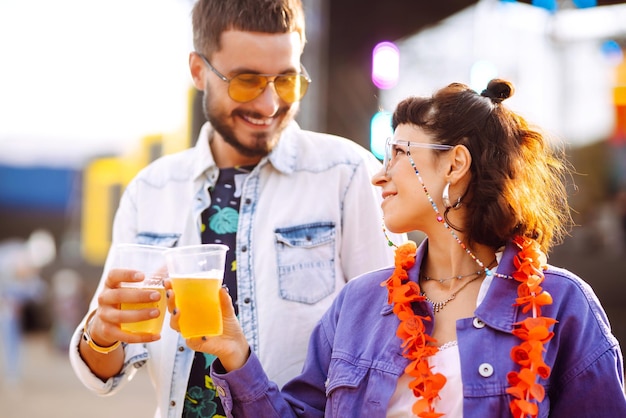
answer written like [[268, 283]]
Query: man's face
[[251, 129]]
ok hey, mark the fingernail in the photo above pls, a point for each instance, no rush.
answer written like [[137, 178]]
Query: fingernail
[[225, 287], [167, 294], [155, 296], [175, 311], [154, 313], [203, 338]]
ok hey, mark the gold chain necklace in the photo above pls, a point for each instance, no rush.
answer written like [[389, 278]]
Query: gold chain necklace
[[437, 306], [453, 277]]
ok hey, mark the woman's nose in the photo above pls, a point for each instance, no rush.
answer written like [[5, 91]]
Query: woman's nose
[[380, 178]]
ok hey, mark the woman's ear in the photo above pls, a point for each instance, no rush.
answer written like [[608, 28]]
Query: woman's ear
[[460, 161]]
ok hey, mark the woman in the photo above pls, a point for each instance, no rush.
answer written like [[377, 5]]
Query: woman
[[473, 322]]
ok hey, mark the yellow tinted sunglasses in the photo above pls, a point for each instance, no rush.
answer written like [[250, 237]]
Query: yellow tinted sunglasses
[[248, 86]]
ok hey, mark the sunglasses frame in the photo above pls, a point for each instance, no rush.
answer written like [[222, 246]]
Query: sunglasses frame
[[304, 74]]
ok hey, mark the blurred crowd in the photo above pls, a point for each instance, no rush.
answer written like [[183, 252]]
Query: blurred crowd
[[23, 289]]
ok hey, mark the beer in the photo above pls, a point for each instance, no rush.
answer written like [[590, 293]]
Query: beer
[[197, 298], [150, 326]]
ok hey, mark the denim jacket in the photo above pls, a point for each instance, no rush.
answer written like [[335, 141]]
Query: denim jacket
[[309, 220], [355, 359]]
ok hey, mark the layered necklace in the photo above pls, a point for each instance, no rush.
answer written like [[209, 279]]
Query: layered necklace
[[437, 306], [534, 331]]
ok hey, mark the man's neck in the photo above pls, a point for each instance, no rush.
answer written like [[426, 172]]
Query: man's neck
[[226, 156]]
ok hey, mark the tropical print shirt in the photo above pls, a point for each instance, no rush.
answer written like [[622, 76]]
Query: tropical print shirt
[[219, 226]]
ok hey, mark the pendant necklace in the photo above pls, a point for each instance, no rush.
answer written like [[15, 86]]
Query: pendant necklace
[[437, 306]]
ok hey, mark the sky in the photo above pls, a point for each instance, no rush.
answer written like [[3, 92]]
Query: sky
[[81, 78]]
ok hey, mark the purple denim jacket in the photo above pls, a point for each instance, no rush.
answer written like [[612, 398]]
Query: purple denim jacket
[[354, 357]]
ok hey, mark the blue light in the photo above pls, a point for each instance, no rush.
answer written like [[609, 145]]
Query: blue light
[[612, 51], [550, 5], [380, 130], [583, 4]]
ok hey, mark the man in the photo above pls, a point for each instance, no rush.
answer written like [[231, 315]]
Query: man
[[295, 207]]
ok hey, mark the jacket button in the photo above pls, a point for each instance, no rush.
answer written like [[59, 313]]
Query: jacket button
[[485, 369], [244, 249], [478, 323], [181, 348], [172, 403], [247, 301]]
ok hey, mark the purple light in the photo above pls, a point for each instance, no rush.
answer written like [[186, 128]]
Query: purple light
[[385, 65]]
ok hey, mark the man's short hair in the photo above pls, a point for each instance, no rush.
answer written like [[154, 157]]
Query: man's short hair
[[212, 17]]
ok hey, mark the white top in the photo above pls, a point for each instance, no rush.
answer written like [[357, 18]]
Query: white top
[[447, 362]]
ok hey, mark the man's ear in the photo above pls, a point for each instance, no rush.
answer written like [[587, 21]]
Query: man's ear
[[197, 69]]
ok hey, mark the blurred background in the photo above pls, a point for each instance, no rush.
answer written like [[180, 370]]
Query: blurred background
[[91, 92]]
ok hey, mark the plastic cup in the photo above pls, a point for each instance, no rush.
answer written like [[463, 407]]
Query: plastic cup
[[196, 273], [151, 262]]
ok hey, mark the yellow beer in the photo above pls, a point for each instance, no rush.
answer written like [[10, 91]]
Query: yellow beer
[[197, 298], [150, 326]]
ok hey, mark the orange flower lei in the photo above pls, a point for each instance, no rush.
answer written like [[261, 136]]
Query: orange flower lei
[[533, 331]]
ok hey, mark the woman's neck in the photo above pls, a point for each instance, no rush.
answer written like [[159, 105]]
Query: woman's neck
[[450, 266]]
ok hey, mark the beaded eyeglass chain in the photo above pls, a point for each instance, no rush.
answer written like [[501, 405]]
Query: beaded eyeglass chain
[[441, 220]]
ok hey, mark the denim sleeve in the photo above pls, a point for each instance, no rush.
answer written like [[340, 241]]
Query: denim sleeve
[[247, 392], [588, 371], [597, 391], [135, 356]]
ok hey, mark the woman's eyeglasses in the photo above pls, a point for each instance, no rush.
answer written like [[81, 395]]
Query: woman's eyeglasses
[[245, 87], [392, 149]]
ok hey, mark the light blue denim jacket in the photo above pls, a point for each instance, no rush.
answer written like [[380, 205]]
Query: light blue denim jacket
[[309, 221], [355, 359]]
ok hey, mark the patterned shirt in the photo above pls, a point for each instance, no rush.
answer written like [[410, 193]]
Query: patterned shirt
[[219, 226]]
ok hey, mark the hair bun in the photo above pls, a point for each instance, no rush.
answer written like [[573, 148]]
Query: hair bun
[[498, 90]]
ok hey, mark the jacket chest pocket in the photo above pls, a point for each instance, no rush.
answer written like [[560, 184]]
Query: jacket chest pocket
[[306, 261], [158, 239]]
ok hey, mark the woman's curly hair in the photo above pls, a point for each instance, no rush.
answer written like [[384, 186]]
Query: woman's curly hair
[[518, 184]]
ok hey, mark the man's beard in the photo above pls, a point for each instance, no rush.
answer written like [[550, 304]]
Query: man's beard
[[263, 144]]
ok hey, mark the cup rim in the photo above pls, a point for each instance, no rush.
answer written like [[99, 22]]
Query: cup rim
[[143, 284], [139, 246], [194, 248]]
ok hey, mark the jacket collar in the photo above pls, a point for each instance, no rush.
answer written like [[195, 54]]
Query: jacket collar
[[283, 157], [497, 309]]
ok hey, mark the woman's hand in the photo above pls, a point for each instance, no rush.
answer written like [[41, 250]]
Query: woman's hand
[[231, 347]]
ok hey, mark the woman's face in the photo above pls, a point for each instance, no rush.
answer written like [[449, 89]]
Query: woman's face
[[406, 206]]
